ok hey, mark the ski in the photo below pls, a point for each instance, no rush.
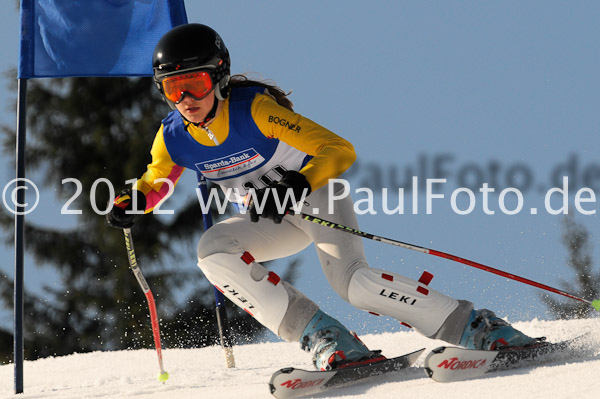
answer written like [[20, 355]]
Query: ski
[[449, 364], [291, 382]]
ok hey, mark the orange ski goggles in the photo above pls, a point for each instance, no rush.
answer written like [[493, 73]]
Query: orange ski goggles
[[196, 84]]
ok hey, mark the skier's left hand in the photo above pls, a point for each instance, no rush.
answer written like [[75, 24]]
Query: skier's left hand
[[272, 199]]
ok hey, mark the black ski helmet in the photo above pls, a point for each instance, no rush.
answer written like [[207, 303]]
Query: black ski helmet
[[192, 47]]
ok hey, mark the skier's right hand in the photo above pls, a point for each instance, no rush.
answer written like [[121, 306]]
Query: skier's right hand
[[121, 215]]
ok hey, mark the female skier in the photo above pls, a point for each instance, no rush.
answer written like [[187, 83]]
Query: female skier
[[244, 136]]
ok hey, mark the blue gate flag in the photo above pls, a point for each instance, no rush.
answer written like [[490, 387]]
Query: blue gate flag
[[62, 38]]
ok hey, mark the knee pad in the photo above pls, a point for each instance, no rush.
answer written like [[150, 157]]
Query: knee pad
[[274, 303], [402, 298]]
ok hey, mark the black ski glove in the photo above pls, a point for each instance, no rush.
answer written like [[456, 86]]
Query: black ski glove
[[273, 197], [121, 216]]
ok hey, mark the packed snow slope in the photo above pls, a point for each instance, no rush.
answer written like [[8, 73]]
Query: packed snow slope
[[201, 373]]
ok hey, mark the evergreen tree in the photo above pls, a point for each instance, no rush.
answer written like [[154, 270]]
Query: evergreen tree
[[586, 284], [102, 128]]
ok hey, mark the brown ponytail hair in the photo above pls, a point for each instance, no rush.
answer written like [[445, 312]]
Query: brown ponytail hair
[[274, 90]]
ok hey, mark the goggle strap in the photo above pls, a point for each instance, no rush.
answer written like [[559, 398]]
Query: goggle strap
[[211, 64]]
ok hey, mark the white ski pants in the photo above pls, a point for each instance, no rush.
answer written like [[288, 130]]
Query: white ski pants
[[230, 253]]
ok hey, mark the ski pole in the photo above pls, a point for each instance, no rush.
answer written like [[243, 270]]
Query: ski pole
[[595, 303], [163, 376], [220, 310]]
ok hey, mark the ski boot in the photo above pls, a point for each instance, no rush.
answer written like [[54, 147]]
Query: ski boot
[[333, 346], [485, 331]]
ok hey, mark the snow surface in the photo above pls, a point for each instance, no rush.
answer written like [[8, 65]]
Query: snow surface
[[201, 373]]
